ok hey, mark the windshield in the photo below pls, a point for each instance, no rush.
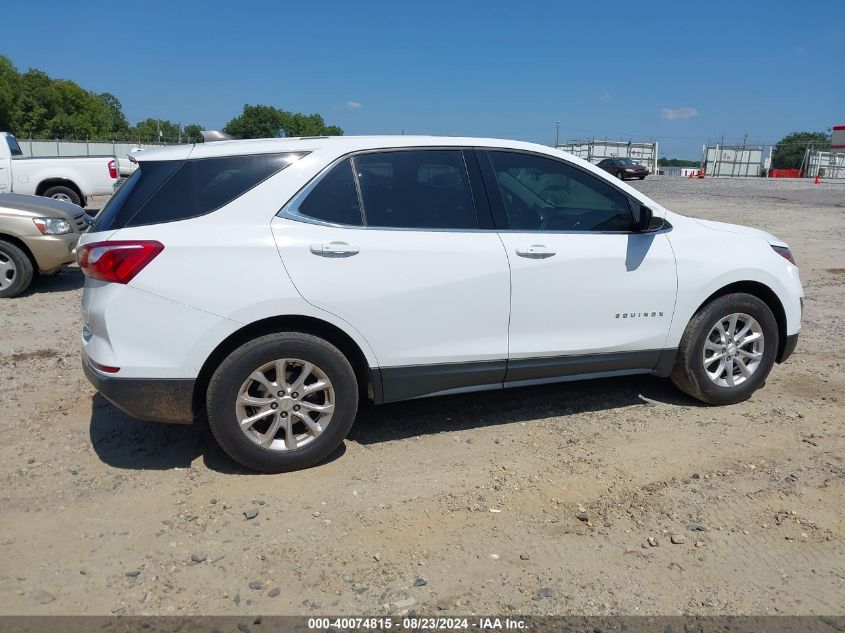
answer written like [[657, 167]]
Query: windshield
[[625, 161], [14, 148]]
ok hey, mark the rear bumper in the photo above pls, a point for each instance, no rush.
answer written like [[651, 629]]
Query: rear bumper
[[788, 347], [159, 400]]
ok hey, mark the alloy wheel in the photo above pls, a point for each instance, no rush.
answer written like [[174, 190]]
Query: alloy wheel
[[285, 404], [733, 350]]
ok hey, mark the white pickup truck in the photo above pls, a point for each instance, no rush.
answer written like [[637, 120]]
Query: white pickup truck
[[69, 178]]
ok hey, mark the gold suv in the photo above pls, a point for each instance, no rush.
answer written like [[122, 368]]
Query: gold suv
[[37, 235]]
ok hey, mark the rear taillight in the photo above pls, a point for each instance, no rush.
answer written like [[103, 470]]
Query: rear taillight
[[112, 168], [117, 261]]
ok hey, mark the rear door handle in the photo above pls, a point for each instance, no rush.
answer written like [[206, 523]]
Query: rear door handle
[[334, 249], [535, 251]]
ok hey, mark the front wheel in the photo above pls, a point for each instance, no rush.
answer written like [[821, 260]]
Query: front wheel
[[282, 402], [727, 350], [16, 270], [620, 175]]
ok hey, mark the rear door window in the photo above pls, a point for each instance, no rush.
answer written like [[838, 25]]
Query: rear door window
[[416, 189], [334, 198]]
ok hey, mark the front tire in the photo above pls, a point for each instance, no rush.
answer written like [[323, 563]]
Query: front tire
[[16, 270], [282, 402], [620, 175], [727, 350]]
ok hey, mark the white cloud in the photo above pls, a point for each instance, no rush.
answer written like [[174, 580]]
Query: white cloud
[[352, 105], [605, 96], [678, 113]]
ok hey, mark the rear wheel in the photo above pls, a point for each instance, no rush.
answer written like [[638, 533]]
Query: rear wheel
[[15, 270], [63, 193], [727, 350], [282, 402]]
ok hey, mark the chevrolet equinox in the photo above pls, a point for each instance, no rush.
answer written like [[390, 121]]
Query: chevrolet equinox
[[269, 286]]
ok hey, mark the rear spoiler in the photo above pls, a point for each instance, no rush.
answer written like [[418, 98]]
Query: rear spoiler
[[209, 136]]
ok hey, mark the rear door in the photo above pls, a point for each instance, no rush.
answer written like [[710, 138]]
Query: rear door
[[396, 244], [589, 294]]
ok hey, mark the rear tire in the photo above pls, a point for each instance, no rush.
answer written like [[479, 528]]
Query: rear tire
[[705, 355], [251, 374], [15, 270], [63, 193]]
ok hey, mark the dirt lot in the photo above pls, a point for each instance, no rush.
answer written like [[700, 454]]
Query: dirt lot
[[452, 505]]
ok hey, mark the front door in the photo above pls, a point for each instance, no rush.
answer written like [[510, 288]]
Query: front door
[[406, 265], [589, 293]]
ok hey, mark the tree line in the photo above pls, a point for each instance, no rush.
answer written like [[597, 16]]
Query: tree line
[[34, 105]]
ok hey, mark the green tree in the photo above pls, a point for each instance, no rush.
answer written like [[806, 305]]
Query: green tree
[[677, 162], [192, 133], [261, 121], [32, 104], [9, 80], [789, 152], [155, 130], [114, 120]]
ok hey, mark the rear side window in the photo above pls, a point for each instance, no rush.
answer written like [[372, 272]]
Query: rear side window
[[334, 198], [14, 148], [424, 189], [166, 191], [132, 194]]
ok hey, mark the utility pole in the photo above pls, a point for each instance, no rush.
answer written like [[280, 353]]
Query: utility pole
[[557, 133]]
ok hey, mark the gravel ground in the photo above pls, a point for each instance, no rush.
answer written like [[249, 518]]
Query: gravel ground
[[599, 497]]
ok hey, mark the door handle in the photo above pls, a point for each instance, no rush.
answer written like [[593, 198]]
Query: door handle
[[535, 251], [334, 249]]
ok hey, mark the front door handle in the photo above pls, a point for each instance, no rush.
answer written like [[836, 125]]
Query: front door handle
[[535, 251], [335, 249]]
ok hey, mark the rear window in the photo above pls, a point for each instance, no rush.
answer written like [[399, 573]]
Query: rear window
[[14, 148], [167, 191]]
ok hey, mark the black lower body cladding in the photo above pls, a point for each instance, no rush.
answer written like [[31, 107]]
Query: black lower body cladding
[[159, 400]]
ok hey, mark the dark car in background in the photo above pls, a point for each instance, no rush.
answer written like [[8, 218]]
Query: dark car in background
[[623, 168]]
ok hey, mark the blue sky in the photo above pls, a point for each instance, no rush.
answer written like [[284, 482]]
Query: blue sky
[[679, 72]]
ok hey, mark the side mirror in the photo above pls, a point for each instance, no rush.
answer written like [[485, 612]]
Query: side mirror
[[644, 221]]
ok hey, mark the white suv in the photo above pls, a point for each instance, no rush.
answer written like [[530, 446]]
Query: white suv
[[271, 285]]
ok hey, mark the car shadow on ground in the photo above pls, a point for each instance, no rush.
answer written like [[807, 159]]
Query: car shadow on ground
[[125, 442], [525, 404], [65, 280]]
